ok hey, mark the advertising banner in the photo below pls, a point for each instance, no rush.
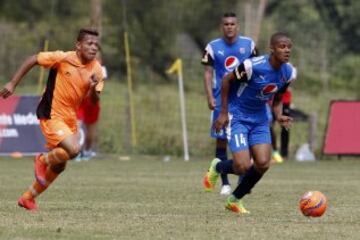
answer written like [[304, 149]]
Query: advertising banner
[[343, 129], [20, 133]]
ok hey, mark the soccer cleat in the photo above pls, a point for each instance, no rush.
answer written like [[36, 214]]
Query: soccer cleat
[[225, 190], [40, 170], [235, 205], [276, 157], [211, 176], [28, 204]]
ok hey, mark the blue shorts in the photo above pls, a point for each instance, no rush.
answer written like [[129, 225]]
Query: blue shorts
[[220, 135], [243, 135]]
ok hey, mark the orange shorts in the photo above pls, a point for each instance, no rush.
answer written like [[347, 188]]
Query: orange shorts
[[56, 130]]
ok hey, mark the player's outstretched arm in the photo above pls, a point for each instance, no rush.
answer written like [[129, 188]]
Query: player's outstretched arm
[[9, 87]]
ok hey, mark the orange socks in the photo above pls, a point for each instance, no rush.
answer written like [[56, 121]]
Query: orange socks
[[36, 189], [56, 156]]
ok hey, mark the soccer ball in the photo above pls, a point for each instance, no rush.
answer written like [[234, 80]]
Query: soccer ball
[[313, 204]]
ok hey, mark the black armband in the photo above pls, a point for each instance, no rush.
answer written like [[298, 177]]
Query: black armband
[[284, 88], [240, 73], [279, 94], [207, 59]]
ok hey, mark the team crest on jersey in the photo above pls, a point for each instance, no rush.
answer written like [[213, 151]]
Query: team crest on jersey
[[268, 90], [242, 50], [231, 63]]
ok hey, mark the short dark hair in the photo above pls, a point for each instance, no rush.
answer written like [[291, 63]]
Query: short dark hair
[[86, 31], [229, 14], [275, 37]]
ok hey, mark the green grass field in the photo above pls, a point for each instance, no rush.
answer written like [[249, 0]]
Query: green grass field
[[147, 198]]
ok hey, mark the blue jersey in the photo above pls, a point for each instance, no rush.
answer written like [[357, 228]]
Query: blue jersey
[[260, 81], [224, 58]]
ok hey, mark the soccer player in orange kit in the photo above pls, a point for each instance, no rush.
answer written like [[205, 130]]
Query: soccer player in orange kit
[[73, 76]]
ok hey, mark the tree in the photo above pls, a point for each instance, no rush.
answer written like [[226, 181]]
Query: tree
[[343, 15]]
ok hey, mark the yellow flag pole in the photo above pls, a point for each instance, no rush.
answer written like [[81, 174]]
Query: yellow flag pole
[[177, 67], [130, 89], [42, 69]]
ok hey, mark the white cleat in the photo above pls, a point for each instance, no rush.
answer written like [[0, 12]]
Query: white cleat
[[225, 190]]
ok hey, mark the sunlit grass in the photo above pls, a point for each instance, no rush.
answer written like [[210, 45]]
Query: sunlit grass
[[147, 198]]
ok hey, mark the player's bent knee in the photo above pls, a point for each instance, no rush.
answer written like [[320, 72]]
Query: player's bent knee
[[241, 168], [58, 168], [71, 146], [262, 167], [74, 151]]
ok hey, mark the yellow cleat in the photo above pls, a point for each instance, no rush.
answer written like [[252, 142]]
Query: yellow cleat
[[211, 176], [276, 157], [235, 205]]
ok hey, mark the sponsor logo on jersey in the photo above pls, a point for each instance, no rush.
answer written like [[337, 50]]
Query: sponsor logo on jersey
[[268, 90], [231, 63], [242, 50]]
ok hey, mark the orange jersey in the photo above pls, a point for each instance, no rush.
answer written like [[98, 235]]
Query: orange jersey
[[68, 84]]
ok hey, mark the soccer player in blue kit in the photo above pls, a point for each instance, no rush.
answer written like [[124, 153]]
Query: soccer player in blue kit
[[245, 116], [221, 56]]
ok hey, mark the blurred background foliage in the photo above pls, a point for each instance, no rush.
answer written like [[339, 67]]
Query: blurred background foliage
[[325, 33]]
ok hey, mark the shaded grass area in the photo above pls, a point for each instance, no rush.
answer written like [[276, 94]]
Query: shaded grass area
[[147, 198]]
